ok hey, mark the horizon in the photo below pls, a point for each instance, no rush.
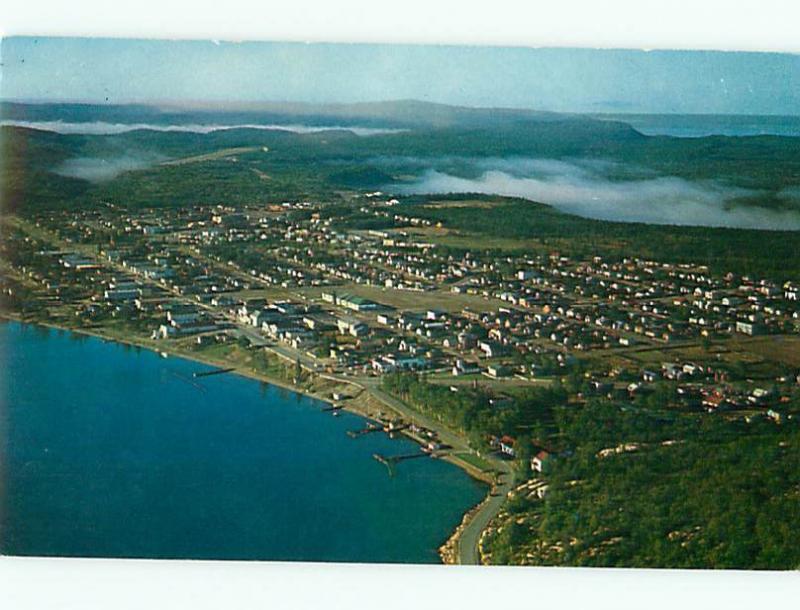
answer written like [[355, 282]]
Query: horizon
[[103, 71], [263, 105]]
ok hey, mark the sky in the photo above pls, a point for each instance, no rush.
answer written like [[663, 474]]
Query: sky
[[561, 80]]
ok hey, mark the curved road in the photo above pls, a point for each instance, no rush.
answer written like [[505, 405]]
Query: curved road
[[470, 535]]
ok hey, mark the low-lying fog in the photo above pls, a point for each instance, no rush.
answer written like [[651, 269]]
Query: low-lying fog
[[595, 190], [96, 169], [100, 128]]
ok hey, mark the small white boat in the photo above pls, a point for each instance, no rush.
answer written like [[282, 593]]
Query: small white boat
[[163, 354]]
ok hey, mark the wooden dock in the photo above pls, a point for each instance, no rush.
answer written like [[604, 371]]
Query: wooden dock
[[392, 460], [214, 372], [370, 428], [391, 428]]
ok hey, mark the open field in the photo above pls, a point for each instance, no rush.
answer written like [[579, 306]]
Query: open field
[[220, 154], [474, 460], [750, 351], [775, 348], [407, 300]]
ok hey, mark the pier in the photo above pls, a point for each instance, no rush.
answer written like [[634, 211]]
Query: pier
[[394, 427], [214, 372], [190, 381], [392, 460], [370, 428]]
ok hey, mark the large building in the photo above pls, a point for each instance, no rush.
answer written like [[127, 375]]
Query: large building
[[350, 301]]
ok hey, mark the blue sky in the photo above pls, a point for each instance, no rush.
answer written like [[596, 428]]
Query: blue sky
[[567, 80]]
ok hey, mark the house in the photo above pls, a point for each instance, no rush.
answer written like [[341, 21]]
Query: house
[[649, 376], [435, 314], [671, 370], [775, 416], [507, 446], [541, 461], [467, 340], [350, 301], [497, 371], [463, 367], [715, 400], [386, 320], [393, 362], [491, 349], [749, 328], [352, 327], [122, 294]]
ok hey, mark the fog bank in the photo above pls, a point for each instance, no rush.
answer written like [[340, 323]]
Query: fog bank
[[585, 188], [100, 128], [96, 169]]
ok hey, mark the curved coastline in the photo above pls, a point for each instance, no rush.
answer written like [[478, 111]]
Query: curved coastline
[[460, 547]]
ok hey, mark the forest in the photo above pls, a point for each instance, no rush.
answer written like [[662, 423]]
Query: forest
[[694, 492], [688, 490]]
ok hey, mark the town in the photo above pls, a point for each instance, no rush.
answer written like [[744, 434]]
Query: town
[[294, 279], [470, 352]]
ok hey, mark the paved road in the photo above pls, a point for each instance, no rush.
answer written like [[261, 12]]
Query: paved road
[[470, 535]]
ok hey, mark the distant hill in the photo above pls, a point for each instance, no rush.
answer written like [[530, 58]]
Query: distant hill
[[402, 114]]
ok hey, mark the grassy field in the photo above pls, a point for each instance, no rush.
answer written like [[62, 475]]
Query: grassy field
[[407, 300], [776, 348], [474, 460]]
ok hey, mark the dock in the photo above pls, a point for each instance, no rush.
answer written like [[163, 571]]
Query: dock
[[391, 460], [214, 372], [370, 428], [190, 381], [392, 427]]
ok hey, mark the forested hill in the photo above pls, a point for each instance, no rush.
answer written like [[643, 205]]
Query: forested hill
[[401, 114]]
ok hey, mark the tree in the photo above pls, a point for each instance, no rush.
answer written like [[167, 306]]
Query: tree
[[522, 452]]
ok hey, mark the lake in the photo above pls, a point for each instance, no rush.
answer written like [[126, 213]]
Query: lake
[[109, 450]]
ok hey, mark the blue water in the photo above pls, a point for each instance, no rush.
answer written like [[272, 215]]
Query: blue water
[[699, 126], [112, 451]]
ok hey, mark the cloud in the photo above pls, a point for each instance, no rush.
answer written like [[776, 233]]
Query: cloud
[[96, 169], [101, 128], [611, 191]]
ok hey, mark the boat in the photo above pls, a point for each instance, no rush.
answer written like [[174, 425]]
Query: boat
[[163, 354]]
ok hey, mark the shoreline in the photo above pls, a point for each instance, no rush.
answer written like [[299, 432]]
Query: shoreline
[[450, 551]]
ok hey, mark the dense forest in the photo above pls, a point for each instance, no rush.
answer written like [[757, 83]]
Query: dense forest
[[470, 410], [635, 484], [689, 492]]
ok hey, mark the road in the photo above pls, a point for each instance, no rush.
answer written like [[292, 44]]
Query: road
[[470, 535]]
